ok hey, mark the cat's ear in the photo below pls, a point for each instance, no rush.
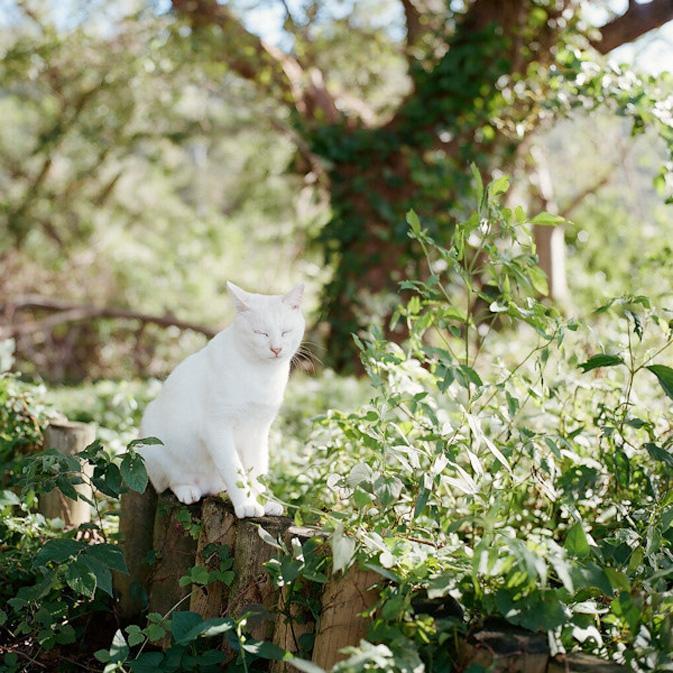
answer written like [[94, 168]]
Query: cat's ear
[[294, 296], [239, 296]]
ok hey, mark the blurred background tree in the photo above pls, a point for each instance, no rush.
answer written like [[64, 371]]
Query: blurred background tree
[[151, 150]]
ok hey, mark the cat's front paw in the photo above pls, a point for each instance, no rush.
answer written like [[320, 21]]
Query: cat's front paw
[[187, 494], [273, 508], [248, 508]]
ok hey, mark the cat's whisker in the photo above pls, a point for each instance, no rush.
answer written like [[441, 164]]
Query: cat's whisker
[[315, 344], [303, 363], [309, 355]]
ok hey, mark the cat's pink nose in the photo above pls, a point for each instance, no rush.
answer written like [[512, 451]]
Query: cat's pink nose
[[276, 350]]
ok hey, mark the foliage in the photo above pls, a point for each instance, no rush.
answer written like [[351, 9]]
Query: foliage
[[133, 137], [120, 152], [521, 472], [511, 464], [23, 416], [57, 585]]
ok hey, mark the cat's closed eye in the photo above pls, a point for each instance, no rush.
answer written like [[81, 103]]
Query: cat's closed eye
[[285, 332], [262, 332]]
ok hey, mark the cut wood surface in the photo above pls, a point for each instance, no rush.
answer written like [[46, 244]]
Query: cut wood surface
[[69, 438]]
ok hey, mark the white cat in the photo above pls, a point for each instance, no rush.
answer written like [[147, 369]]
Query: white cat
[[214, 411]]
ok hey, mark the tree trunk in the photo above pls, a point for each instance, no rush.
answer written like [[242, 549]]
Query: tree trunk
[[549, 240], [366, 242]]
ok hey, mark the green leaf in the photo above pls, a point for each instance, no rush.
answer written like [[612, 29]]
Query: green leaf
[[133, 472], [414, 222], [135, 635], [119, 650], [478, 183], [209, 627], [155, 632], [9, 498], [58, 550], [665, 376], [438, 587], [547, 219], [659, 453], [600, 360], [81, 578], [101, 572], [387, 489], [305, 666], [264, 650], [538, 279], [183, 625], [110, 555], [576, 542], [343, 549], [197, 575], [499, 186], [144, 441], [148, 662]]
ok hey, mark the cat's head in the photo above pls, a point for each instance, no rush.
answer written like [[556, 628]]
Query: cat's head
[[269, 326]]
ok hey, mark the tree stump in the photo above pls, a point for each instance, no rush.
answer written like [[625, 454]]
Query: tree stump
[[69, 438], [290, 628], [252, 590], [136, 533], [583, 663], [218, 526], [507, 651], [175, 550], [345, 596]]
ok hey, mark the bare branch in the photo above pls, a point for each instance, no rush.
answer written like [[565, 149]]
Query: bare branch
[[581, 196], [269, 68], [412, 18], [636, 21], [65, 312]]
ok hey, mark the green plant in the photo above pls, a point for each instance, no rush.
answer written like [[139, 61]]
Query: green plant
[[511, 464]]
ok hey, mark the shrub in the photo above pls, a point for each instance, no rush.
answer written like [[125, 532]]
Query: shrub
[[511, 464]]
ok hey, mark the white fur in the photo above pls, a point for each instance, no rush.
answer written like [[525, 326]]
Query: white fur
[[214, 411]]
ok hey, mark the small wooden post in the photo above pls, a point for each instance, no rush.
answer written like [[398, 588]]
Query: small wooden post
[[345, 596], [69, 438], [252, 589], [176, 552], [218, 526], [136, 532], [507, 651]]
